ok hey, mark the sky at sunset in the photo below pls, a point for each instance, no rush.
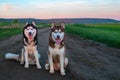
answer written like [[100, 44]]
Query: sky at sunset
[[46, 9]]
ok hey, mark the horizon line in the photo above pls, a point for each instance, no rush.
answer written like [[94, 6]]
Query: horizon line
[[61, 18]]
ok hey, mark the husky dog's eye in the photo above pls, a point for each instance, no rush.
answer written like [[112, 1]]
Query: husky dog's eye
[[59, 30], [55, 30]]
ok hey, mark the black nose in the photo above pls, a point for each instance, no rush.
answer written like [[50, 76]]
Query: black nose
[[58, 36], [30, 33]]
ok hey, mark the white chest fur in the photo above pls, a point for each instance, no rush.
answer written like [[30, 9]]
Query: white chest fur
[[57, 50]]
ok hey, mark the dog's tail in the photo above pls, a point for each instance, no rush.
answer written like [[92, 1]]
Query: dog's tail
[[12, 56]]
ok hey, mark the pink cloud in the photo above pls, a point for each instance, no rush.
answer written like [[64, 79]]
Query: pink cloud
[[6, 6]]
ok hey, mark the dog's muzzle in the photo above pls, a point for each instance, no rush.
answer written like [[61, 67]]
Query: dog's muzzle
[[30, 35], [58, 40]]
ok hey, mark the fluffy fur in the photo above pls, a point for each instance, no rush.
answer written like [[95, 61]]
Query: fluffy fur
[[29, 53], [56, 49]]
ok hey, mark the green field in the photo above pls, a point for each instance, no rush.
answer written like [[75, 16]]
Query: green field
[[5, 33], [105, 33]]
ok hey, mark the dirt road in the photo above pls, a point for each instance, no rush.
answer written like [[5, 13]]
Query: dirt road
[[88, 60]]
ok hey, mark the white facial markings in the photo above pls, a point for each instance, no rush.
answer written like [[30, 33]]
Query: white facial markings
[[56, 30], [57, 33], [54, 36], [59, 30], [30, 31], [34, 32], [62, 36]]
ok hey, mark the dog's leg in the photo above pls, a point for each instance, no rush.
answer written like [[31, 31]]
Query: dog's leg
[[22, 57], [51, 63], [26, 59], [47, 63], [37, 59], [66, 62], [62, 65]]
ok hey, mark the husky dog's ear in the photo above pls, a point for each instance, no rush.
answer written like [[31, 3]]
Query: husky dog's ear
[[33, 23], [52, 25], [63, 25], [26, 23]]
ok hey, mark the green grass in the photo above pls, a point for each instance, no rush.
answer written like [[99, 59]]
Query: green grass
[[8, 32], [2, 24], [8, 29], [42, 25], [105, 33]]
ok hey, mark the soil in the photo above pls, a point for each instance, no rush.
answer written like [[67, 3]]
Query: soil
[[88, 60]]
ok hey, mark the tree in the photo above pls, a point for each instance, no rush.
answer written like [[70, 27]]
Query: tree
[[15, 21]]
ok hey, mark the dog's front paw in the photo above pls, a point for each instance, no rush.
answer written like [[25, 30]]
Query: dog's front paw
[[39, 67], [62, 73], [47, 66], [26, 66], [51, 71]]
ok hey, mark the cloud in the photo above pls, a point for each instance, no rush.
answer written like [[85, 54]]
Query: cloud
[[7, 6]]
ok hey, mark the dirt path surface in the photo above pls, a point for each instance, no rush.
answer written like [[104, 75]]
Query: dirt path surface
[[12, 70], [88, 60]]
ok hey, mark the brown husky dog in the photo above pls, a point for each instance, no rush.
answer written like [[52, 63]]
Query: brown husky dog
[[56, 49]]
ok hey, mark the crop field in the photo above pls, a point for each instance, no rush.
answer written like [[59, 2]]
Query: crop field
[[105, 33]]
